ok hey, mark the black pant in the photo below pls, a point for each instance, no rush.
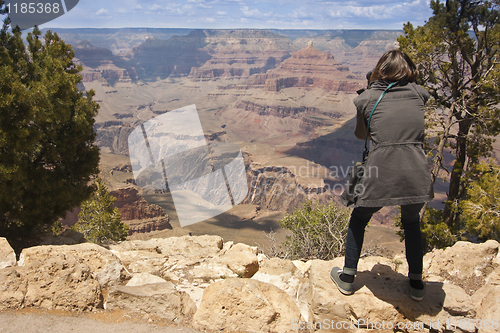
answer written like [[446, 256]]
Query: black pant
[[413, 238]]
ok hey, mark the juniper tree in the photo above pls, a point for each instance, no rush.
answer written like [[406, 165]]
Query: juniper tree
[[458, 54], [47, 151], [481, 208]]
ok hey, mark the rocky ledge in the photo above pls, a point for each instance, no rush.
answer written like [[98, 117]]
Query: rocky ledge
[[212, 285]]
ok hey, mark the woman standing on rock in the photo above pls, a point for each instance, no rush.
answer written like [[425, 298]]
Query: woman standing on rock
[[398, 172]]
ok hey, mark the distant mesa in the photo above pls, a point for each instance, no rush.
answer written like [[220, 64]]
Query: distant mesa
[[101, 65], [310, 68], [241, 53]]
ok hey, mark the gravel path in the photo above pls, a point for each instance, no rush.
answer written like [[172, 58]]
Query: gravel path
[[30, 321]]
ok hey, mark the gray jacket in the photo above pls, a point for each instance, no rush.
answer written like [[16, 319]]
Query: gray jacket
[[396, 170]]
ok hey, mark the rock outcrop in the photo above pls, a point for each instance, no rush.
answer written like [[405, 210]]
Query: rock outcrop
[[310, 68], [226, 305], [360, 49], [238, 64], [137, 213], [241, 53], [159, 299], [278, 188], [216, 286]]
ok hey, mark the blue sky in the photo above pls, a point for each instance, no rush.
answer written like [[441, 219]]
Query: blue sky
[[219, 14]]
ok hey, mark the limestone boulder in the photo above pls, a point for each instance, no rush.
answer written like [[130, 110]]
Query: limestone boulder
[[105, 267], [183, 247], [159, 299], [194, 290], [189, 246], [240, 259], [210, 270], [150, 245], [113, 273], [7, 254], [489, 311], [13, 288], [285, 275], [444, 304], [141, 261], [375, 288], [246, 305], [462, 260], [94, 256], [61, 282], [486, 301], [382, 296]]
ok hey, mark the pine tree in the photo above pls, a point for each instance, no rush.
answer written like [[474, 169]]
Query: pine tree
[[47, 151], [98, 221], [458, 56]]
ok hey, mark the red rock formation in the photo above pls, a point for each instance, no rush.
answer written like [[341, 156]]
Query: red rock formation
[[310, 68], [135, 211], [148, 225], [238, 63], [133, 206], [284, 111]]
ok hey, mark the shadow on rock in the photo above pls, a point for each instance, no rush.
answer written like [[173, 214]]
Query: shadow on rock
[[392, 287]]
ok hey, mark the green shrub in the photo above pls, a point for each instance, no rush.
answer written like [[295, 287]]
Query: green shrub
[[318, 232], [98, 221], [435, 233]]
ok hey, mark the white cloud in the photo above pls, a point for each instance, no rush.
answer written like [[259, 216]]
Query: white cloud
[[374, 12], [155, 7], [101, 11], [250, 12], [298, 13], [221, 13]]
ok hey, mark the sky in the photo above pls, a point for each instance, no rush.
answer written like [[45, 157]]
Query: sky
[[231, 14]]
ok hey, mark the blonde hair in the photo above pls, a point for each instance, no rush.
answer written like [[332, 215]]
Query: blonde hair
[[394, 66]]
